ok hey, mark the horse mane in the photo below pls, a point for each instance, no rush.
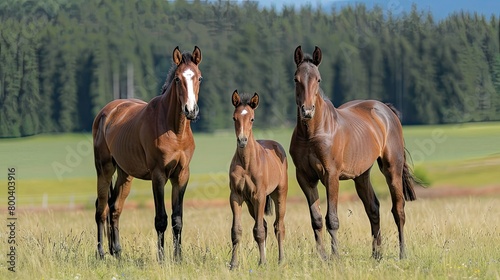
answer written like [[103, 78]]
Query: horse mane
[[186, 57], [394, 109], [245, 98], [307, 58]]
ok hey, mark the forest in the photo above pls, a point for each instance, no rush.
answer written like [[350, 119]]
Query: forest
[[61, 61]]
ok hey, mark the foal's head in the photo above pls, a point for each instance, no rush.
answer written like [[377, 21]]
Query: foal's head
[[187, 79], [243, 116], [307, 79]]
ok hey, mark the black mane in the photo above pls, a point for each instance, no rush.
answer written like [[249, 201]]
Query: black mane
[[245, 98], [307, 58]]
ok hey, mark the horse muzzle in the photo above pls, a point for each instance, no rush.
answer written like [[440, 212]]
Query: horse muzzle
[[307, 112], [242, 141], [191, 114]]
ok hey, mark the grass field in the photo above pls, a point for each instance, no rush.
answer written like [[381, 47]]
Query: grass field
[[450, 238], [455, 238]]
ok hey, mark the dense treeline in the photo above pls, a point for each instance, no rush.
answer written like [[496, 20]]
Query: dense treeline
[[62, 60]]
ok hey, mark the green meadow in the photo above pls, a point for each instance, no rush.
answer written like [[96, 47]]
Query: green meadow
[[61, 168]]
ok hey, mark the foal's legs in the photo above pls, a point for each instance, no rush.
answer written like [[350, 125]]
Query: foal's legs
[[120, 193], [161, 221], [105, 170], [393, 172], [279, 197], [236, 229], [260, 227], [310, 189], [367, 195]]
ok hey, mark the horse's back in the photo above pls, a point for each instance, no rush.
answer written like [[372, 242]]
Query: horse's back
[[371, 110], [373, 120], [275, 147], [120, 107]]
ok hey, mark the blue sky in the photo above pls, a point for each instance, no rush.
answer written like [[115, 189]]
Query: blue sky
[[439, 8]]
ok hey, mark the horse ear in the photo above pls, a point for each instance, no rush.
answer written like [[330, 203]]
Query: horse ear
[[236, 98], [299, 55], [177, 56], [196, 55], [317, 56], [254, 101]]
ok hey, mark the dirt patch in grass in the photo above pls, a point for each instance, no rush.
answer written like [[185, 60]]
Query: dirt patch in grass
[[422, 193]]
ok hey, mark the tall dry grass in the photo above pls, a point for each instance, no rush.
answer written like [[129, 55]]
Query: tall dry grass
[[455, 238]]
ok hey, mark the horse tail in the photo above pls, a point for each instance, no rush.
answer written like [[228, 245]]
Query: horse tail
[[268, 210], [409, 180]]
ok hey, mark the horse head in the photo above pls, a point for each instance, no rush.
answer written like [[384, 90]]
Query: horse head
[[307, 79], [187, 78], [243, 116]]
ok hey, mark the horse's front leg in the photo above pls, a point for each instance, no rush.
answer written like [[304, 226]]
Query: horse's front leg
[[236, 230], [161, 221], [310, 188], [179, 184], [331, 182]]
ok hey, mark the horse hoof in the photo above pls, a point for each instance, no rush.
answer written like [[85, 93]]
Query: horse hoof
[[233, 266], [99, 255], [377, 256], [178, 259]]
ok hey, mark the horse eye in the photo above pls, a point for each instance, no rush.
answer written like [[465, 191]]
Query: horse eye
[[251, 119], [234, 119], [319, 80], [177, 79], [200, 79], [296, 80]]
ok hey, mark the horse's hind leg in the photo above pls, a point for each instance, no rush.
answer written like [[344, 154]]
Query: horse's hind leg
[[120, 193], [367, 195], [393, 172], [279, 197], [105, 170]]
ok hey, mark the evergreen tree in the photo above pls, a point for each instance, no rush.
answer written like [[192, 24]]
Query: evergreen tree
[[61, 61]]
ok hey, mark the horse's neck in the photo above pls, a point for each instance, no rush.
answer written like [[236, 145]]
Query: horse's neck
[[172, 117], [323, 122], [248, 155]]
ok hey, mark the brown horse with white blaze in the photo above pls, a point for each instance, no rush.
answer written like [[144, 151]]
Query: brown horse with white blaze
[[150, 141], [330, 144], [258, 173]]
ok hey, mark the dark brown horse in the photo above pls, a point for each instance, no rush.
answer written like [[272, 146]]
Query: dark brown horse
[[329, 144], [150, 141], [258, 172]]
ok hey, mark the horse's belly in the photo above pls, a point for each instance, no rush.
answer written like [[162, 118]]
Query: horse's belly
[[357, 161], [133, 164]]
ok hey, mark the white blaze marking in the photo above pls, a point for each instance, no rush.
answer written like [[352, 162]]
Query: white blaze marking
[[242, 134], [188, 74], [244, 112]]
